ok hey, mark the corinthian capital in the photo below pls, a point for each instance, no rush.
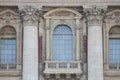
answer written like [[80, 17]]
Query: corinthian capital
[[29, 13], [95, 10], [94, 14]]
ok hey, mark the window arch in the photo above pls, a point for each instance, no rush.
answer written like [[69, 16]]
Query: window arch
[[62, 43], [7, 45], [114, 47]]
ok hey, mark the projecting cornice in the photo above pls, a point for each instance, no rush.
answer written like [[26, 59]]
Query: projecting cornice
[[60, 2]]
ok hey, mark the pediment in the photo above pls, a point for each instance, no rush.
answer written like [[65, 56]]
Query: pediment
[[8, 14], [61, 12], [113, 12], [114, 16]]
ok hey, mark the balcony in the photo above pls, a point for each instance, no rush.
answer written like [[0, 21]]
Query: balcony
[[58, 68]]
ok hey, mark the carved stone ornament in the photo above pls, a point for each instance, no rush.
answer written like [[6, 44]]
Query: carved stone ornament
[[115, 30], [9, 16], [29, 13], [7, 30], [114, 16], [94, 15], [61, 13]]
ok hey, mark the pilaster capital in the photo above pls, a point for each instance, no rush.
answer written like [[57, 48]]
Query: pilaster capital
[[30, 13], [95, 14]]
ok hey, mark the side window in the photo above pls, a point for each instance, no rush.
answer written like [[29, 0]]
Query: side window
[[62, 43], [114, 48], [7, 48]]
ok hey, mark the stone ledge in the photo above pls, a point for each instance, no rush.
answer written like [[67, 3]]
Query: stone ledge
[[112, 73], [63, 71], [10, 73]]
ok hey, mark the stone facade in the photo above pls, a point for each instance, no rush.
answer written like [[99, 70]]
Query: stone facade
[[32, 23]]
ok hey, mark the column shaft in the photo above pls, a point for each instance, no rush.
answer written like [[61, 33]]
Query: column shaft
[[77, 45], [47, 45], [30, 53], [95, 54]]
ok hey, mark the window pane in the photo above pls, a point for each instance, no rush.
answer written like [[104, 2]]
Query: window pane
[[114, 50], [8, 50], [62, 44]]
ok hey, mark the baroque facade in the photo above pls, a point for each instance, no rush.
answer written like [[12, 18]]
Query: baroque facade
[[59, 40]]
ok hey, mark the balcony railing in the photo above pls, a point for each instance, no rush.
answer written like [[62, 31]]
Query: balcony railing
[[114, 66], [10, 66], [54, 67]]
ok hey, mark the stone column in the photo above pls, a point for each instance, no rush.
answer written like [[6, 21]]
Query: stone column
[[94, 17], [47, 40], [30, 42], [77, 39]]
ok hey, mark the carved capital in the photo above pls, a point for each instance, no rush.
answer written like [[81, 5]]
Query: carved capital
[[30, 14], [94, 15]]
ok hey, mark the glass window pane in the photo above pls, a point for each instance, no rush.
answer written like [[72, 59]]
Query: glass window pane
[[114, 50], [62, 40], [8, 50]]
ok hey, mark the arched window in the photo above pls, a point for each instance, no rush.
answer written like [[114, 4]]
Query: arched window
[[62, 43], [7, 45], [114, 47]]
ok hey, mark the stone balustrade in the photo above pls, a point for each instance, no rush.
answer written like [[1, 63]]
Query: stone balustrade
[[10, 66], [62, 67], [114, 66]]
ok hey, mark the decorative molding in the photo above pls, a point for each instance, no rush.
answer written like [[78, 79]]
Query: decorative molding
[[95, 14], [115, 30], [114, 16], [9, 16], [8, 30], [29, 13], [62, 12], [62, 21], [47, 27]]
